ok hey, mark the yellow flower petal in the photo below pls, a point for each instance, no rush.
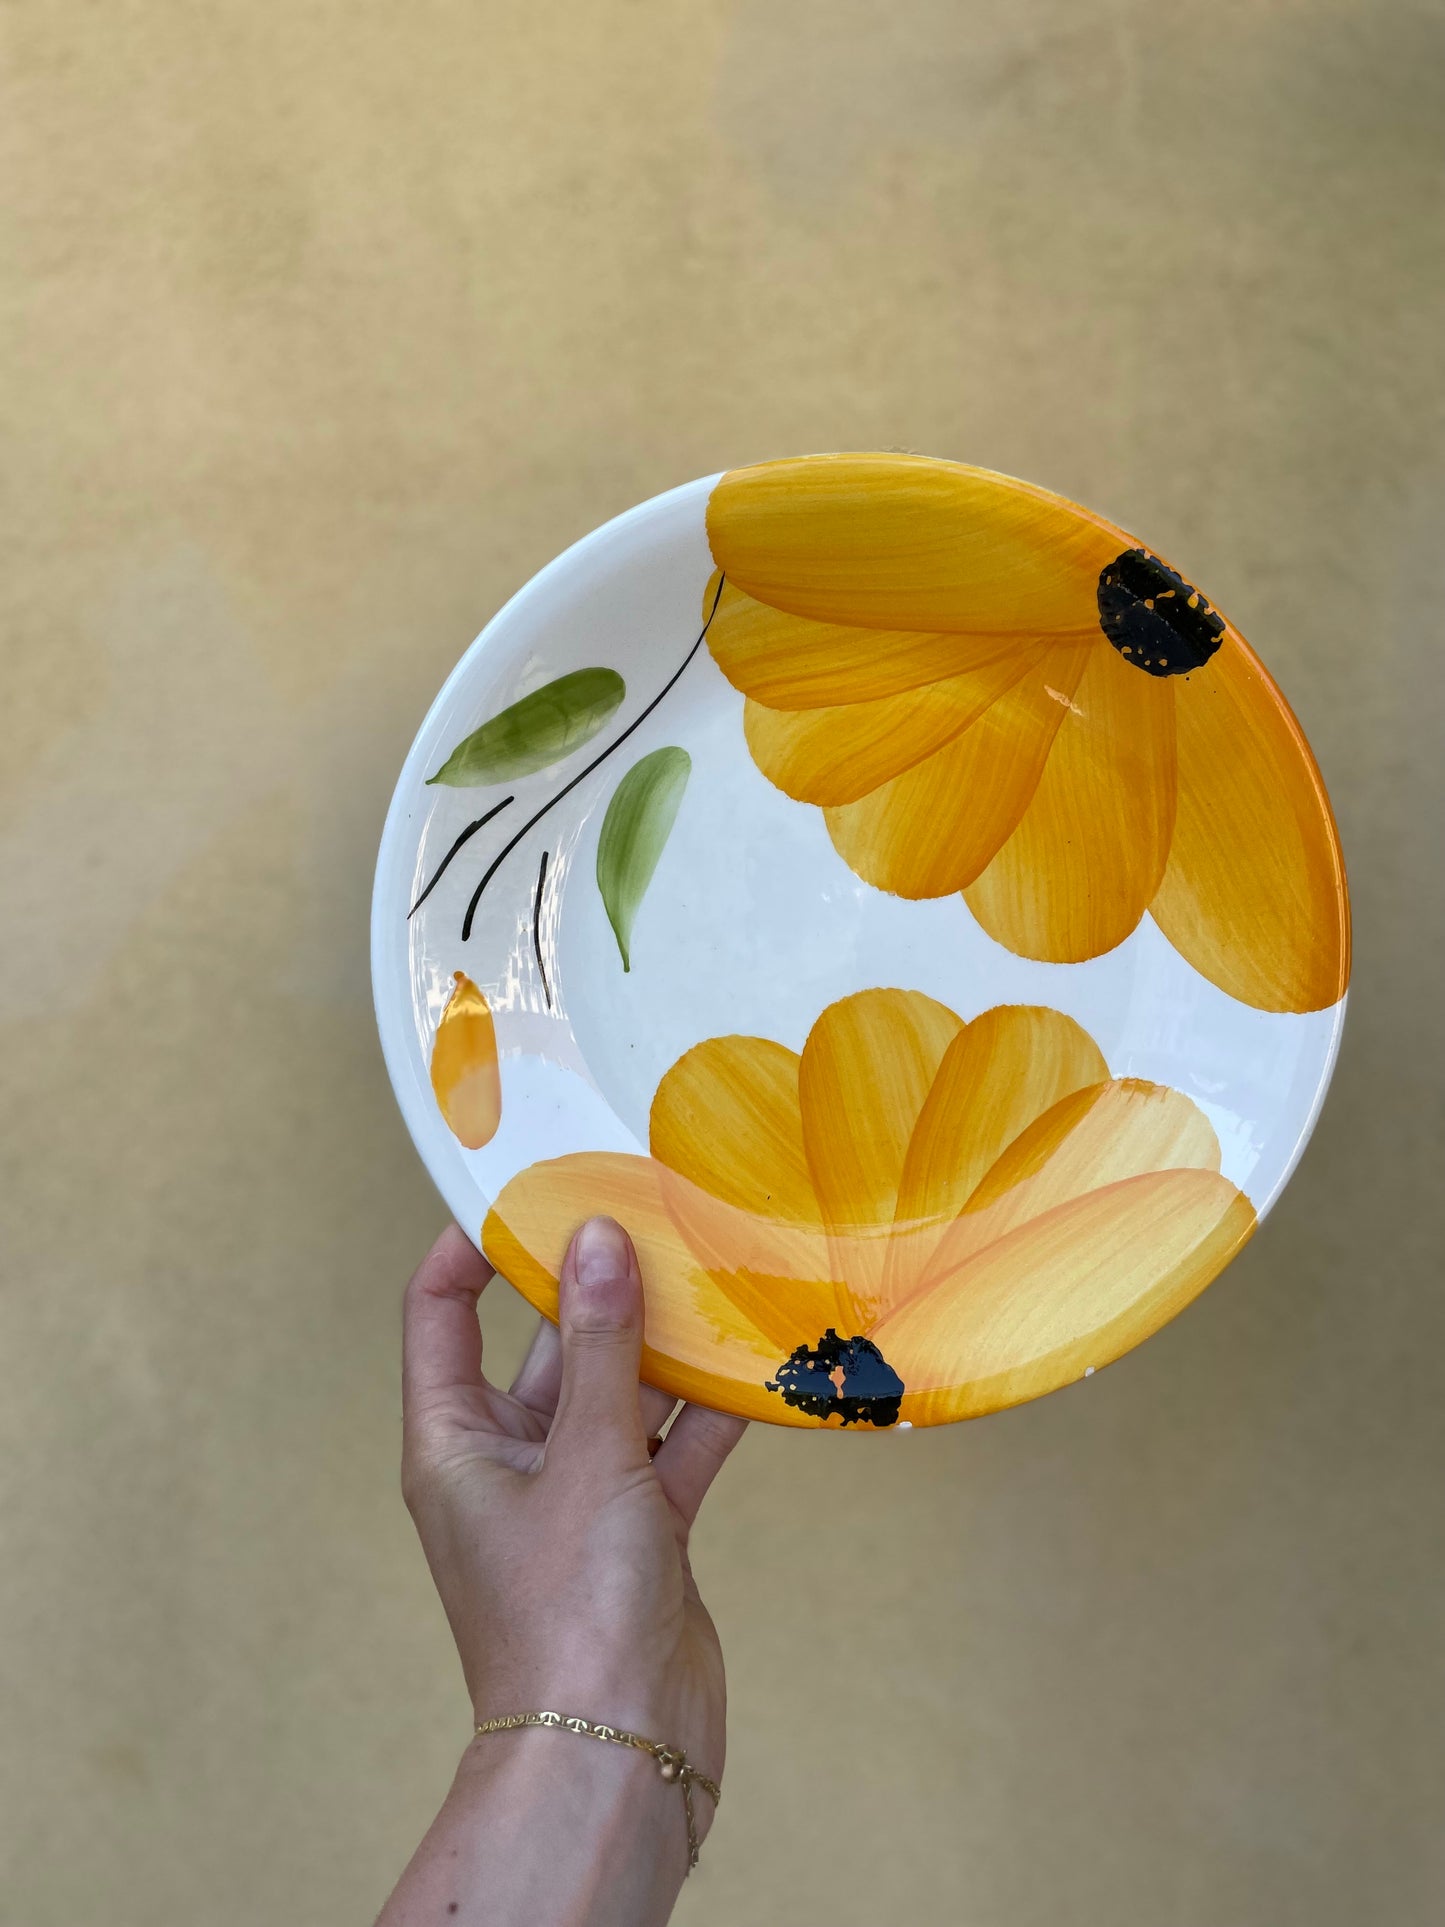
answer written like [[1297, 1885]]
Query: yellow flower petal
[[1254, 893], [1002, 1072], [464, 1072], [789, 1281], [932, 830], [1097, 1136], [867, 1068], [906, 542], [1077, 874], [697, 1343], [727, 1125], [837, 755], [1074, 1288], [727, 1117], [1005, 1069], [789, 663]]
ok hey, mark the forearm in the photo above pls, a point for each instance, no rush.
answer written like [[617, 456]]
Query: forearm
[[558, 1542], [544, 1828]]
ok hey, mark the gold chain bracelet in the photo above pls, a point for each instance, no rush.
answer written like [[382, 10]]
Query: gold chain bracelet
[[672, 1763]]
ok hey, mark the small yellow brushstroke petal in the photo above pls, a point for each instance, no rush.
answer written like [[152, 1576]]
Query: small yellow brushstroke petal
[[464, 1072]]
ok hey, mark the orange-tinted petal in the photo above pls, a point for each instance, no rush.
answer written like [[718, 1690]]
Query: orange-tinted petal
[[697, 1342], [789, 1281], [1095, 1136], [836, 755], [1005, 1069], [464, 1071], [867, 1068], [932, 830], [1098, 1136], [1002, 1072], [727, 1126], [788, 662], [1087, 855], [906, 542], [1072, 1289], [1254, 893], [727, 1117]]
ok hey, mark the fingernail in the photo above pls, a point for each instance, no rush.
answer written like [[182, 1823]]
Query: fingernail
[[600, 1253]]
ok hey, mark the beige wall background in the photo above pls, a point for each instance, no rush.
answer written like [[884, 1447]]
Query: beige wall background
[[324, 325]]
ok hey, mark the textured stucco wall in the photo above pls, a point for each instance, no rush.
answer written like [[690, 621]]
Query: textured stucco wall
[[321, 327]]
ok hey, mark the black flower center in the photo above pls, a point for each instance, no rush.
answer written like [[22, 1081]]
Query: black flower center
[[1154, 618], [847, 1378]]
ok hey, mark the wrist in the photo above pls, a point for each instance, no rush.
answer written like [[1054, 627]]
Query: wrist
[[687, 1715], [584, 1833], [638, 1706]]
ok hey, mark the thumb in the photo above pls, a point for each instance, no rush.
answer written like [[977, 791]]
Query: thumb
[[600, 1315]]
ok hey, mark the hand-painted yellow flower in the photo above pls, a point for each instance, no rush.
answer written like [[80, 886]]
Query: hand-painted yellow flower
[[916, 1218], [464, 1071], [988, 689]]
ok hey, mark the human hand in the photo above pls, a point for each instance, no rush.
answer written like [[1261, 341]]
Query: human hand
[[559, 1546]]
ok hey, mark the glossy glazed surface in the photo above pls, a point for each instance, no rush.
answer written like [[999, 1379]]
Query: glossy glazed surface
[[937, 978]]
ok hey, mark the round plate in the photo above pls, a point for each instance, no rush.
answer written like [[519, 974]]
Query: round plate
[[897, 896]]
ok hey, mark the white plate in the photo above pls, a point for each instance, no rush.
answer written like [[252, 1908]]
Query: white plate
[[778, 1284]]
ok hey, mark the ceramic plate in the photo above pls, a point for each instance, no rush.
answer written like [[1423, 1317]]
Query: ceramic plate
[[900, 898]]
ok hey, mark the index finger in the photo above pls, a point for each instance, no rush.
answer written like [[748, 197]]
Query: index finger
[[441, 1345]]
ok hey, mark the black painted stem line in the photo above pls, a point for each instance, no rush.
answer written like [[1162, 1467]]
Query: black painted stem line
[[597, 761], [537, 929], [469, 831]]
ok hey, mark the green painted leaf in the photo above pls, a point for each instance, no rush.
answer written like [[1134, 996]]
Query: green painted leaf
[[540, 729], [638, 823]]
